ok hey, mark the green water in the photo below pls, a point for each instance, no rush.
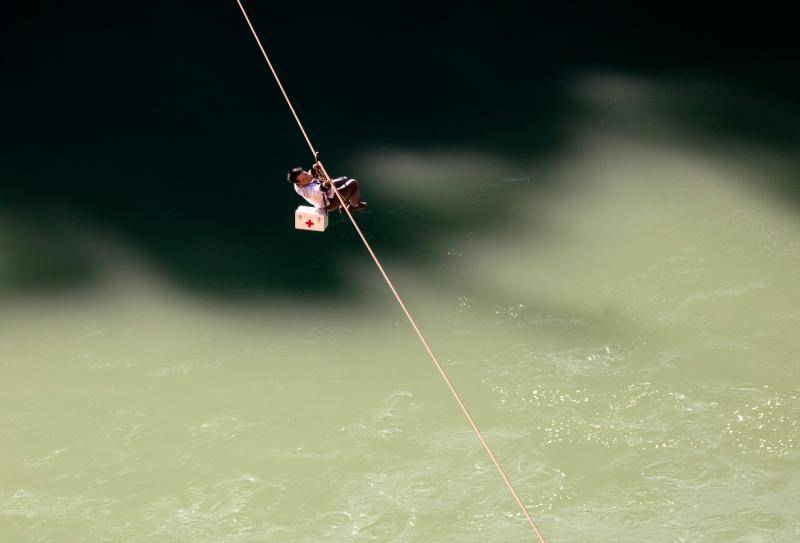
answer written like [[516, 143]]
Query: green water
[[622, 319]]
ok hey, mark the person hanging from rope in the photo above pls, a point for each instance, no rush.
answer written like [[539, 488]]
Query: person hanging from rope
[[314, 186]]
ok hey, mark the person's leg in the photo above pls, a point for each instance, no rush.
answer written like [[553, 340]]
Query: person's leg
[[353, 192], [348, 189], [333, 201], [333, 204]]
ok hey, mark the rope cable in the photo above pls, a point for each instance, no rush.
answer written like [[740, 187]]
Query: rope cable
[[277, 80], [402, 304]]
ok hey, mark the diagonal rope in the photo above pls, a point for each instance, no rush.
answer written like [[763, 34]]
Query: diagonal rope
[[277, 79], [410, 318]]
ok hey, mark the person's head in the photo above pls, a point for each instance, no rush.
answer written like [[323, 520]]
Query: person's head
[[300, 177]]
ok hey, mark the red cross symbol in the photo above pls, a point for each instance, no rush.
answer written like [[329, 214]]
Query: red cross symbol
[[309, 223]]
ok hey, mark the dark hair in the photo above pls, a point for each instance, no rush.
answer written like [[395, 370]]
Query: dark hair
[[293, 173]]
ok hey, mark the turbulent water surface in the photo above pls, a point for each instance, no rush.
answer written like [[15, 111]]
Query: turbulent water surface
[[621, 318]]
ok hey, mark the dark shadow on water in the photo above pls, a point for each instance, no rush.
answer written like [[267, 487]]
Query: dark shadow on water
[[163, 128]]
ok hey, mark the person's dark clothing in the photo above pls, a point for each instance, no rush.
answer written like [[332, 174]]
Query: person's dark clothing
[[348, 190]]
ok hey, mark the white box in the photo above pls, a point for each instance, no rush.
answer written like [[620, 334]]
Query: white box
[[310, 218]]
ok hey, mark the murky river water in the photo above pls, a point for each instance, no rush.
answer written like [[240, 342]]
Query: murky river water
[[627, 338]]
